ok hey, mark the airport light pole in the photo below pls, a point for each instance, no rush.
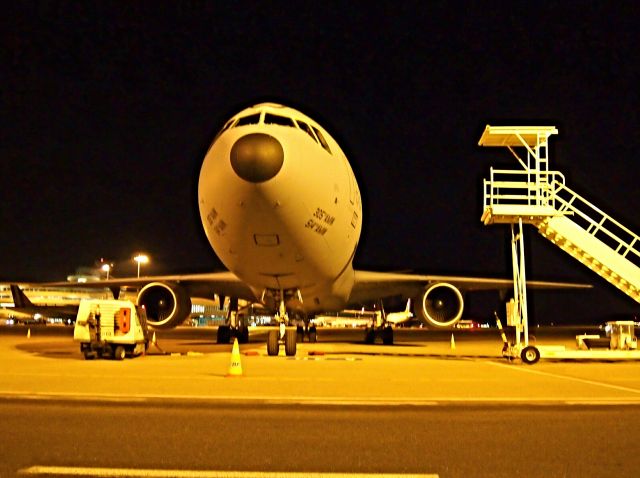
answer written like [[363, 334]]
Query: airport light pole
[[141, 259], [106, 268]]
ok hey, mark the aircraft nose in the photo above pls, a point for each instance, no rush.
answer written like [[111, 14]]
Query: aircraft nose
[[257, 157]]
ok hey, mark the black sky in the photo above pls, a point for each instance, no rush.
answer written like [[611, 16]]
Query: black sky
[[107, 109]]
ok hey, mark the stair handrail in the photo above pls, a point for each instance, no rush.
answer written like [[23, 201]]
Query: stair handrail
[[569, 205], [540, 193]]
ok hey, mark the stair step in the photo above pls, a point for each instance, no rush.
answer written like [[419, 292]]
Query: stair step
[[593, 253]]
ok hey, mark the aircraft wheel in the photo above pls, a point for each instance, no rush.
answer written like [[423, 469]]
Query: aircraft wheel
[[243, 335], [387, 336], [290, 342], [223, 335], [273, 346], [369, 335], [119, 353], [313, 334], [530, 355], [300, 333]]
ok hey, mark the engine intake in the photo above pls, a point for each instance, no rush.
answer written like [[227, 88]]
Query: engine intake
[[441, 305], [167, 305]]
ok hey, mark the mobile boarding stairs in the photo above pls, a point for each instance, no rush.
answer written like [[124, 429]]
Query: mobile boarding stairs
[[537, 196]]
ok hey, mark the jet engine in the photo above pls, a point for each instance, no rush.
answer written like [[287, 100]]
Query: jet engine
[[167, 305], [441, 305]]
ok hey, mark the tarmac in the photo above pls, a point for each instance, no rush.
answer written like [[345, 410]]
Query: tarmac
[[420, 369]]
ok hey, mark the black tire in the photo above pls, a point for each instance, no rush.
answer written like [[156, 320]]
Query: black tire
[[223, 334], [243, 335], [272, 343], [530, 355], [313, 334], [290, 342], [387, 335], [369, 335], [89, 355], [119, 353], [300, 333]]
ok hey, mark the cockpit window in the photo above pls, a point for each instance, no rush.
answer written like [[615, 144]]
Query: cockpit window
[[323, 142], [306, 128], [251, 119], [276, 119], [226, 126]]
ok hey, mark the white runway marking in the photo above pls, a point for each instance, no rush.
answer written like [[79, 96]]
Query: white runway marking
[[135, 472], [566, 377]]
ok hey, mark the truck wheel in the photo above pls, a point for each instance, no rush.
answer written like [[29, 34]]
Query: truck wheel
[[89, 355], [530, 355], [119, 353]]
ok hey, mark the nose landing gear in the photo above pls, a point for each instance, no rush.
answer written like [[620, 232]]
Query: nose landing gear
[[287, 336]]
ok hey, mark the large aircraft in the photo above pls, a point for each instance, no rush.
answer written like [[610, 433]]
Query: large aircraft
[[401, 317], [281, 208], [23, 306]]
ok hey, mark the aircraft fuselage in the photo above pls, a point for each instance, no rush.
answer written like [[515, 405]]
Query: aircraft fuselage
[[281, 207]]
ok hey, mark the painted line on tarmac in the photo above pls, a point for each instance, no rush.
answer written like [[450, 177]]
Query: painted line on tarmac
[[567, 377], [138, 472], [233, 399], [311, 401]]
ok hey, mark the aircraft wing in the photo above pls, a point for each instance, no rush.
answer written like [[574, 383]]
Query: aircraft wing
[[371, 285], [203, 285]]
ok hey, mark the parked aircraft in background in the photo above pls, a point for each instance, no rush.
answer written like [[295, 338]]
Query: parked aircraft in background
[[23, 306], [401, 317], [281, 208]]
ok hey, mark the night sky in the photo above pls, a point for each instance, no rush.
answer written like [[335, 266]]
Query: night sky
[[107, 110]]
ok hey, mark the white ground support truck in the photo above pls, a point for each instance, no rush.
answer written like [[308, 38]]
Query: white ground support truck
[[111, 329]]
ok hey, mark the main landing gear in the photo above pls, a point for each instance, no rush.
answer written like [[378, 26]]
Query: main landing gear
[[379, 328], [308, 331], [235, 327], [226, 333], [385, 332]]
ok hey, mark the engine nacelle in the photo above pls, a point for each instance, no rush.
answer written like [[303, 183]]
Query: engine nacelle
[[167, 305], [441, 305]]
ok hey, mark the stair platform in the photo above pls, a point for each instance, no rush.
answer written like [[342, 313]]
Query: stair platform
[[510, 213]]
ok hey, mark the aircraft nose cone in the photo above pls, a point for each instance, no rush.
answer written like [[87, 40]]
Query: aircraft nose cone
[[257, 157]]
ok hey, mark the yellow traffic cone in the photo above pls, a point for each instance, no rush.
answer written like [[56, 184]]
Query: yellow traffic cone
[[235, 369], [29, 333], [453, 343]]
